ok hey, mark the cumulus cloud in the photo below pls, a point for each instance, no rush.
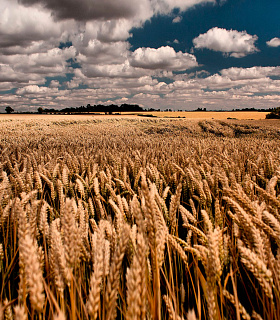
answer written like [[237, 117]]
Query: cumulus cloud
[[162, 58], [9, 77], [123, 70], [250, 73], [225, 80], [165, 6], [33, 68], [23, 27], [73, 83], [48, 63], [33, 89], [114, 30], [97, 52], [31, 31], [275, 42], [231, 42], [54, 84]]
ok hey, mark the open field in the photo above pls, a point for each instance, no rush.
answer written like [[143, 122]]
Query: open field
[[240, 115], [139, 218]]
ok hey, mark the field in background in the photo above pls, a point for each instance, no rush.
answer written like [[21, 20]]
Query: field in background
[[139, 218], [241, 115]]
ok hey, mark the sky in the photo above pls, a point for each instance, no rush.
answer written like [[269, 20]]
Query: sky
[[163, 54]]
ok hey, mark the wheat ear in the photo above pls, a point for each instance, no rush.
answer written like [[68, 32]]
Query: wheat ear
[[113, 278]]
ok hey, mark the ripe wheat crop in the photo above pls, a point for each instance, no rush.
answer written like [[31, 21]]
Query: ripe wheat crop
[[139, 219]]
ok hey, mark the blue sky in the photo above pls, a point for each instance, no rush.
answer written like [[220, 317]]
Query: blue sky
[[177, 54]]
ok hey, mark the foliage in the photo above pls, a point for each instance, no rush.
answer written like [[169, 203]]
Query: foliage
[[9, 109], [274, 114], [99, 108]]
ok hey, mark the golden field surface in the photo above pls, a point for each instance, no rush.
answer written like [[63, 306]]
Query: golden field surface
[[213, 115], [139, 218]]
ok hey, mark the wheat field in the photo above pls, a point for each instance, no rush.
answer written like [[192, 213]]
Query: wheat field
[[191, 115], [210, 115], [139, 219]]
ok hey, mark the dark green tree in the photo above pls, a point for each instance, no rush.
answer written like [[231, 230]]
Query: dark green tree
[[274, 114], [9, 109], [40, 110]]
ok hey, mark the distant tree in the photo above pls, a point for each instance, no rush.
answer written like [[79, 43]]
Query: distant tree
[[40, 110], [9, 109], [274, 114]]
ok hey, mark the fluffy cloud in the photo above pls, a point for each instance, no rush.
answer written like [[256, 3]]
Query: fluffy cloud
[[166, 6], [216, 91], [177, 19], [114, 60], [35, 90], [114, 30], [185, 4], [32, 30], [48, 63], [33, 68], [54, 84], [23, 27], [218, 81], [9, 75], [275, 42], [250, 73], [232, 42], [124, 70], [162, 58], [97, 52]]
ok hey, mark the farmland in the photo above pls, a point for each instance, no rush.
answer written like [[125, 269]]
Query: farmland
[[191, 115], [128, 217]]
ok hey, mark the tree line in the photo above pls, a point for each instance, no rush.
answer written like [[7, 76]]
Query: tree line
[[96, 108], [109, 109]]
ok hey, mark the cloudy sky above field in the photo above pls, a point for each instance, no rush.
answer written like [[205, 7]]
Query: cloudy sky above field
[[178, 54]]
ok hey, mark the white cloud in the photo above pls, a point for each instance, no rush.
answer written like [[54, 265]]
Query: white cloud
[[50, 63], [275, 42], [162, 58], [150, 92], [23, 27], [54, 84], [9, 75], [73, 83], [97, 52], [33, 89], [123, 70], [224, 81], [250, 73], [232, 42], [166, 6], [177, 19], [114, 30], [31, 31]]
